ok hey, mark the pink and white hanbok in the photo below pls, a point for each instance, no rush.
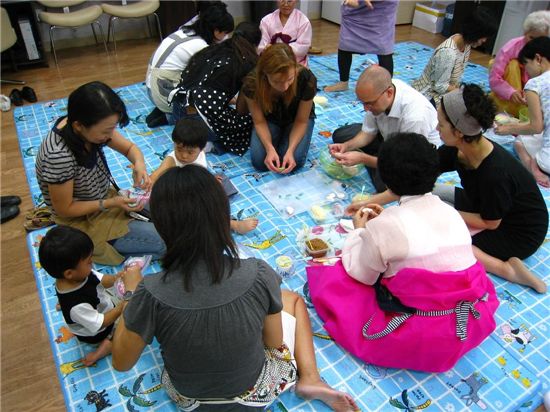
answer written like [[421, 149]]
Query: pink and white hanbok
[[296, 33]]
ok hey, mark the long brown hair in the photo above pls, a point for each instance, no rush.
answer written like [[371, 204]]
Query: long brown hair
[[276, 59]]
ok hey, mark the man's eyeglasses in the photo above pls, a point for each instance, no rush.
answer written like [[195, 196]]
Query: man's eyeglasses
[[373, 102]]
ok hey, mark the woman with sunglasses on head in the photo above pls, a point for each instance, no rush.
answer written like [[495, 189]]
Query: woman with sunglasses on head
[[279, 94], [287, 25]]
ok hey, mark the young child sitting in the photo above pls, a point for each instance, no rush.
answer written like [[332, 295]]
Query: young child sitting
[[190, 137], [66, 254], [534, 152]]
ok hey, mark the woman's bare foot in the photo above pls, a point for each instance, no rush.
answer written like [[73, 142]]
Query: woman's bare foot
[[102, 350], [338, 401], [336, 87], [541, 178], [244, 226], [524, 277]]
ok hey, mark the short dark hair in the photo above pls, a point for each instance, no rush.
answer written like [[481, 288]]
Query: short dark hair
[[190, 211], [190, 133], [481, 24], [213, 17], [540, 45], [63, 248], [408, 164]]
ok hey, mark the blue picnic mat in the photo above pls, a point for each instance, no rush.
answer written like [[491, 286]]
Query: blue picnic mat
[[507, 372]]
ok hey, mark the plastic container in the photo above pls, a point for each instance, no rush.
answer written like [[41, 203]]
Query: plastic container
[[316, 247], [360, 197], [335, 170], [328, 212], [285, 266]]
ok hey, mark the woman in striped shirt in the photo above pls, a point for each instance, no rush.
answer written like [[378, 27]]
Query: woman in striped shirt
[[444, 71], [75, 180]]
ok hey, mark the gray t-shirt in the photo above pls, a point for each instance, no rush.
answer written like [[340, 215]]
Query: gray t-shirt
[[211, 337]]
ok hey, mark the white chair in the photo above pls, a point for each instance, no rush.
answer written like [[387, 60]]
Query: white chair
[[71, 19], [8, 39], [133, 10]]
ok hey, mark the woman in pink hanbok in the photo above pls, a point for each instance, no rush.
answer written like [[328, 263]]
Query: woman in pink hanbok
[[409, 292], [287, 25]]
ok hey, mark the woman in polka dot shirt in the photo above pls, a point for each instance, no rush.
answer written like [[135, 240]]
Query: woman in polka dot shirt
[[211, 79]]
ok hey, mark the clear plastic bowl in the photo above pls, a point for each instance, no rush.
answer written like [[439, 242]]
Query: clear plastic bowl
[[335, 170]]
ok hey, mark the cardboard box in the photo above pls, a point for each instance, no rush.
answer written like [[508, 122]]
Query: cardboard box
[[429, 16]]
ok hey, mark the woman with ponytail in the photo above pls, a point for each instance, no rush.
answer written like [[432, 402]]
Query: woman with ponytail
[[211, 80], [164, 71]]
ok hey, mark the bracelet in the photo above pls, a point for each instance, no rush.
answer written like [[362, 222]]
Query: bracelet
[[102, 206]]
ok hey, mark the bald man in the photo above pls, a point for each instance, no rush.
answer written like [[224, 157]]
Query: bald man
[[391, 106]]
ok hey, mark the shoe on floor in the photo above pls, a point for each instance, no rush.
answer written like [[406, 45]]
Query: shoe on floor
[[156, 118], [16, 97], [10, 201], [8, 213], [28, 94], [5, 103], [315, 50]]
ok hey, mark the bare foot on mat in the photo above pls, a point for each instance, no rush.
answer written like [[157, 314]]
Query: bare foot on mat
[[102, 350], [525, 277], [338, 401], [336, 87], [244, 226]]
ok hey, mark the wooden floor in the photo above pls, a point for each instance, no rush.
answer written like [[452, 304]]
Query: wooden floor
[[28, 377]]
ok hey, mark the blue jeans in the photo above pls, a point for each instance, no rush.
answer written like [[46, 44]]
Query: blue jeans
[[279, 138], [142, 239], [179, 111]]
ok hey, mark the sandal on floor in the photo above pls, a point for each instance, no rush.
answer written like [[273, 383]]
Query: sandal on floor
[[38, 223], [38, 218]]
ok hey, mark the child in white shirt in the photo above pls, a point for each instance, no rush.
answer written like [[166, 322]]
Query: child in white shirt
[[190, 136]]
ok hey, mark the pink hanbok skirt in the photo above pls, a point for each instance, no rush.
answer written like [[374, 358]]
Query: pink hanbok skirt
[[432, 340]]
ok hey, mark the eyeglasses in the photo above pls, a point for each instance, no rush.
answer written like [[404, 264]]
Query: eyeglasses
[[373, 102]]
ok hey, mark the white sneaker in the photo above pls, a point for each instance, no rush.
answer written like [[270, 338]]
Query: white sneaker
[[5, 103]]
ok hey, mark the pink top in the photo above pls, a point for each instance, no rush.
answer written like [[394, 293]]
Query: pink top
[[422, 232], [508, 52], [297, 27]]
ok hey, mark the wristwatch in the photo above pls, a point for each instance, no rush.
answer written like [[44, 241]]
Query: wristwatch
[[127, 295], [102, 205]]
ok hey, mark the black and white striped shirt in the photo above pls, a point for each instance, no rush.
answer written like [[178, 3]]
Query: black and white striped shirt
[[56, 164]]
